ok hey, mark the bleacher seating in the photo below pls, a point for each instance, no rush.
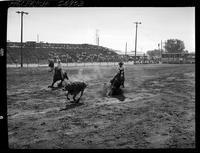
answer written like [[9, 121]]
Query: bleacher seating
[[66, 52]]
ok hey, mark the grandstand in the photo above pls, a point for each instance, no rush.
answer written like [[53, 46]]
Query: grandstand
[[178, 58], [36, 52], [39, 53], [141, 58]]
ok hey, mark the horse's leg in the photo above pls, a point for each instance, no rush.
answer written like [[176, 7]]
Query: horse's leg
[[123, 83], [66, 76], [67, 95], [51, 86], [61, 78], [54, 81], [74, 97], [80, 96], [109, 93]]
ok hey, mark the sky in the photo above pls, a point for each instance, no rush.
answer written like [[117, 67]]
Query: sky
[[115, 26]]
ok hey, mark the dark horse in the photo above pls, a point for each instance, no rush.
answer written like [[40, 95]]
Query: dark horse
[[58, 75], [116, 82]]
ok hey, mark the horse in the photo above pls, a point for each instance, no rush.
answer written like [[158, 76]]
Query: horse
[[57, 75], [115, 84], [74, 88]]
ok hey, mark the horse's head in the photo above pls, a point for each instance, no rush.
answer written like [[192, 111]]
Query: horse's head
[[67, 84], [85, 85], [51, 65]]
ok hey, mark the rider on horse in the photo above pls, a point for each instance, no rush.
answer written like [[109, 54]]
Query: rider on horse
[[59, 69], [120, 74], [58, 73]]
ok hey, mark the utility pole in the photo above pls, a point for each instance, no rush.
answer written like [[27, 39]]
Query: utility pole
[[37, 38], [164, 47], [126, 52], [161, 51], [22, 12], [97, 37], [136, 40], [158, 47]]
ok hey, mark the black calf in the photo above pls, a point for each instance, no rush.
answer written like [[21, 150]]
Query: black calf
[[74, 88]]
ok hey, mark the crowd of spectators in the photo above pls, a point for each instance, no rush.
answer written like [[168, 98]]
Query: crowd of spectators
[[85, 57], [70, 53]]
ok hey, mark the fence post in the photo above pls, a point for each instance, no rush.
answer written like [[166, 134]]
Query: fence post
[[16, 63], [38, 62]]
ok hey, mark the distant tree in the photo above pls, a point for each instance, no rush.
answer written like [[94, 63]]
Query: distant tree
[[174, 46], [154, 53]]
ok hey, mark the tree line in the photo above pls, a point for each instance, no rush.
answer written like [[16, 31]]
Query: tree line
[[170, 46]]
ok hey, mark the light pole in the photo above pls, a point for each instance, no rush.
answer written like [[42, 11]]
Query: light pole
[[161, 51], [126, 52], [136, 40], [22, 12]]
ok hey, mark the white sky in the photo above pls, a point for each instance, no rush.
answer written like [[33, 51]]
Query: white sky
[[115, 25]]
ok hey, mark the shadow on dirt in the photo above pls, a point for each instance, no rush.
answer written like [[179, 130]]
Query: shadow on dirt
[[119, 94], [71, 106], [56, 88], [119, 97]]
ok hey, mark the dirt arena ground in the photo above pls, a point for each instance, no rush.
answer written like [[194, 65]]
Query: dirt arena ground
[[156, 110]]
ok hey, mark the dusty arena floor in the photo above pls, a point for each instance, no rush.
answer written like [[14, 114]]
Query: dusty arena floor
[[156, 110]]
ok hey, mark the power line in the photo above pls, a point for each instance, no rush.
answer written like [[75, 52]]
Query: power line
[[22, 12]]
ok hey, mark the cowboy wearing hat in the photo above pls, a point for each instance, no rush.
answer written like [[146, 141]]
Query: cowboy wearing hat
[[59, 69], [59, 66]]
